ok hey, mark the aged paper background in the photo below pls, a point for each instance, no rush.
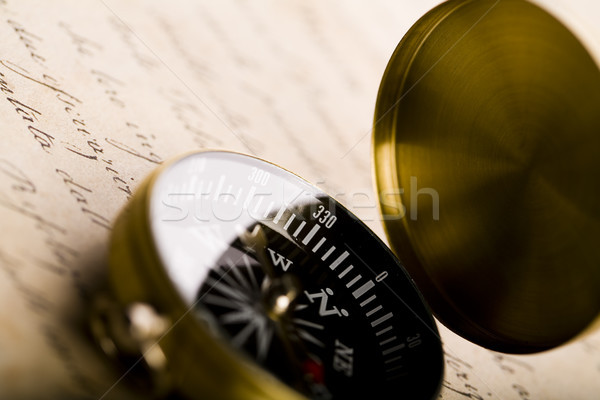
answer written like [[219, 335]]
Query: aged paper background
[[96, 93]]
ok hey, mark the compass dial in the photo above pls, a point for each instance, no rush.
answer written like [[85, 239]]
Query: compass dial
[[279, 271]]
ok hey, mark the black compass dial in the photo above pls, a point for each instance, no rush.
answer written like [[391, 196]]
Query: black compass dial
[[284, 273]]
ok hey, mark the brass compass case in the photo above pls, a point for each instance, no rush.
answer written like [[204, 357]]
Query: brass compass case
[[486, 145], [239, 280]]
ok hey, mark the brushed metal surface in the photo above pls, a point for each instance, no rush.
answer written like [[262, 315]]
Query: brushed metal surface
[[489, 113]]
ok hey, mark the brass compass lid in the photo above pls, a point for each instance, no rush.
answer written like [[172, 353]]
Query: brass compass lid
[[487, 163]]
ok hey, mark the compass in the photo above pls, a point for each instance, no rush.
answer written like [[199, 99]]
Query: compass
[[238, 279]]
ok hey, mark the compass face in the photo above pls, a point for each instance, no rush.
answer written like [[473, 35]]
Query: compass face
[[286, 275]]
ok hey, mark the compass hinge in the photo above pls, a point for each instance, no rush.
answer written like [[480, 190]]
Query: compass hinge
[[132, 335]]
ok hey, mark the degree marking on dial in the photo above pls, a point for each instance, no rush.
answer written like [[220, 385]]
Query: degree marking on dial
[[257, 206], [326, 255], [344, 272], [367, 301], [186, 187], [226, 198], [198, 191], [238, 197], [208, 189], [381, 320], [385, 330], [339, 260], [353, 281], [363, 289], [318, 245], [193, 183], [311, 234], [269, 208], [250, 196], [393, 349], [299, 229], [304, 322], [391, 360], [373, 311], [397, 367], [279, 214], [383, 343], [198, 188], [219, 187], [289, 222]]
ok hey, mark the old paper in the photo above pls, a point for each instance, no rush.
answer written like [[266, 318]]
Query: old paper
[[95, 94]]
